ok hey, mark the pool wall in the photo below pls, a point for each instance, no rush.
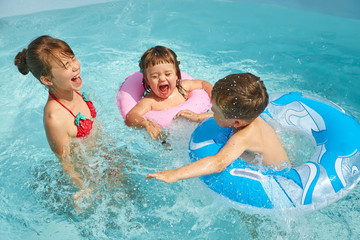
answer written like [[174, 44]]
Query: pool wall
[[340, 8], [21, 7]]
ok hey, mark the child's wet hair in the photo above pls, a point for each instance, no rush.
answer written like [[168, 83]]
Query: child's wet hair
[[37, 57], [242, 96], [157, 55]]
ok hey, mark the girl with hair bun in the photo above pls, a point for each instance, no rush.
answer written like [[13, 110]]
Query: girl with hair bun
[[68, 114]]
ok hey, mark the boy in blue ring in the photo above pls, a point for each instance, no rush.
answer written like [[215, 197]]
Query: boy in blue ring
[[237, 101]]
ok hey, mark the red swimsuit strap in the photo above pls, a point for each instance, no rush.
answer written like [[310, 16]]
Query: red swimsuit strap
[[63, 104]]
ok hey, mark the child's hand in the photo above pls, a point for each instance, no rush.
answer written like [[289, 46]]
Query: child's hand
[[187, 114], [79, 195], [196, 117], [154, 130], [82, 198], [167, 176], [76, 179]]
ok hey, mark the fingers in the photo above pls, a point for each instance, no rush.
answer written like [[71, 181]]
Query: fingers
[[150, 176], [157, 176], [81, 199], [157, 135], [160, 135], [78, 194], [179, 114], [188, 114], [184, 113], [82, 193], [165, 176], [154, 131]]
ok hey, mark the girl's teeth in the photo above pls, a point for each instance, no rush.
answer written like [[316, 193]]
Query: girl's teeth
[[164, 87]]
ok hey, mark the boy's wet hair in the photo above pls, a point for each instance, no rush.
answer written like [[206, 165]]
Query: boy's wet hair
[[157, 55], [241, 96], [37, 57]]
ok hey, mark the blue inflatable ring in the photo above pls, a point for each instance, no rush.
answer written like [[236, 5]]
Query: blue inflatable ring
[[331, 172]]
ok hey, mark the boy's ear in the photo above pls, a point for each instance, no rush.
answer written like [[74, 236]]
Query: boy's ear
[[239, 123], [46, 81]]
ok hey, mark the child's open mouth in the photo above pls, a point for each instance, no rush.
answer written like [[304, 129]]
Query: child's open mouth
[[164, 89], [76, 79]]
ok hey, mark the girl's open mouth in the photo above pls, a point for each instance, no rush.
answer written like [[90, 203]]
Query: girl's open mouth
[[76, 79], [164, 89]]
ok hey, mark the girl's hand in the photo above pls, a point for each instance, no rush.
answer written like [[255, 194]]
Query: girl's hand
[[167, 176], [81, 194], [187, 114], [81, 199], [154, 130], [196, 117]]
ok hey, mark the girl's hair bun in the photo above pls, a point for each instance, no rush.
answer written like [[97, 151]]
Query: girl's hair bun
[[20, 62]]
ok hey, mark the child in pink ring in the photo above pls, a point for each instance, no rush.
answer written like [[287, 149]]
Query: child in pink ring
[[161, 80]]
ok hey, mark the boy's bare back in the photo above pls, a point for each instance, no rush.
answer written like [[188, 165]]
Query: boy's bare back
[[261, 138]]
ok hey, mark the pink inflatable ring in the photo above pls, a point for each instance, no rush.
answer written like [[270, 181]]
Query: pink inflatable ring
[[131, 92]]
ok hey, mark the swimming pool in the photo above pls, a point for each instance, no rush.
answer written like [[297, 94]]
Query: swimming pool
[[290, 49]]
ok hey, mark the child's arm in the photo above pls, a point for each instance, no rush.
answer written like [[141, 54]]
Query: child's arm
[[59, 142], [205, 166], [134, 119], [190, 85], [75, 177]]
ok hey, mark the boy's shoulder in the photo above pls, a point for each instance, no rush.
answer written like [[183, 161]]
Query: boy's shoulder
[[247, 133], [255, 132]]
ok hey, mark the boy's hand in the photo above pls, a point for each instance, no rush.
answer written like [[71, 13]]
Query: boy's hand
[[154, 130], [166, 176]]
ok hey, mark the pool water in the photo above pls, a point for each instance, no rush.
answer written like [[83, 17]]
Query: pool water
[[290, 49]]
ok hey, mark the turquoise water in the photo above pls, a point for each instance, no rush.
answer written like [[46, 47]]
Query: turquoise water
[[291, 50]]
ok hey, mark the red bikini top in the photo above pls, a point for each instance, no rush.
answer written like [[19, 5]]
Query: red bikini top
[[84, 125]]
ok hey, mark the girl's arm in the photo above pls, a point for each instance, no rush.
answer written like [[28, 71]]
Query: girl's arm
[[134, 119], [59, 142], [234, 147], [190, 85], [196, 117]]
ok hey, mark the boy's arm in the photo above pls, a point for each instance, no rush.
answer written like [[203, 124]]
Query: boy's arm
[[205, 166]]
